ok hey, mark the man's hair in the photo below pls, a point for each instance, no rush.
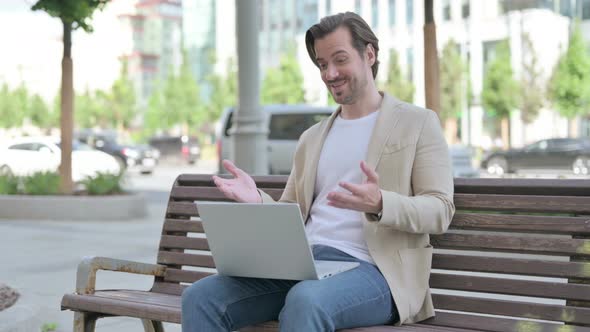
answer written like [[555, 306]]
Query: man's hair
[[361, 34]]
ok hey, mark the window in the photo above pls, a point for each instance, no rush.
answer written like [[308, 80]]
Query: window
[[357, 6], [291, 126], [565, 8], [409, 12], [24, 146], [410, 57], [328, 7], [446, 10], [375, 13], [465, 9], [391, 13], [585, 9]]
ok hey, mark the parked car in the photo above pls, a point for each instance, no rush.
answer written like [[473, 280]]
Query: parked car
[[287, 122], [27, 155], [143, 158], [555, 153], [185, 149]]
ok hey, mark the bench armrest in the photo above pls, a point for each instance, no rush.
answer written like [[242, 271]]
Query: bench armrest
[[86, 274]]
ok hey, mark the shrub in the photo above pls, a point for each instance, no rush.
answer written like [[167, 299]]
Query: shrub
[[41, 183], [8, 184], [104, 184]]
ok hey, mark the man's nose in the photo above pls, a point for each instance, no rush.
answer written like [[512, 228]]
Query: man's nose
[[331, 73]]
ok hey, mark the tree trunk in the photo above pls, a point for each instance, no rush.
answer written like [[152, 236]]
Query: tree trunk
[[573, 128], [431, 69], [67, 111], [451, 130], [505, 132]]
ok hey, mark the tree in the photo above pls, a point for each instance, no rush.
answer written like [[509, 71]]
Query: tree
[[500, 90], [452, 81], [11, 111], [532, 99], [73, 14], [90, 109], [396, 84], [569, 87], [40, 114], [224, 91], [121, 101], [283, 85]]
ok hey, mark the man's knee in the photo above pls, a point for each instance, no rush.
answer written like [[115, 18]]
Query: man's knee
[[201, 292], [303, 305]]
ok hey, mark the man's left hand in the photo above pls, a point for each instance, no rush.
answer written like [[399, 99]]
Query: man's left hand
[[364, 197]]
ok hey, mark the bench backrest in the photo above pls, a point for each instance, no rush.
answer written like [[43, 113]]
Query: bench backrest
[[516, 247]]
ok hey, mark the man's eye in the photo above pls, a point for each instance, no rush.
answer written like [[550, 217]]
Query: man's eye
[[323, 66], [341, 60]]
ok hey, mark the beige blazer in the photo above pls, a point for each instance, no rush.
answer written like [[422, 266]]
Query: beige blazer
[[409, 152]]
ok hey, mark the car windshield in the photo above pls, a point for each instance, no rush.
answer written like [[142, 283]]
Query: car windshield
[[77, 146]]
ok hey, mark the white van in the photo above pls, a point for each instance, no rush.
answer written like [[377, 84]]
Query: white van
[[287, 122]]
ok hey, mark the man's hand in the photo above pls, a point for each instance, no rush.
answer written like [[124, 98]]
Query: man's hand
[[364, 197], [241, 188]]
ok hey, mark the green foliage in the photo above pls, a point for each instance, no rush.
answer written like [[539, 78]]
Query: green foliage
[[569, 88], [49, 327], [41, 183], [40, 114], [500, 90], [90, 109], [452, 82], [77, 13], [532, 94], [396, 84], [284, 84], [104, 184], [224, 91], [8, 184], [11, 107], [121, 101]]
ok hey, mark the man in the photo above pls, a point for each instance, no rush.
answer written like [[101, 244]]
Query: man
[[372, 182]]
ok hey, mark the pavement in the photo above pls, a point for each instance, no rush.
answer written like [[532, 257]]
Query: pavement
[[39, 258]]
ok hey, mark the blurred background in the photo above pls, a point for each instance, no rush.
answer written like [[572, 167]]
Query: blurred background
[[156, 79]]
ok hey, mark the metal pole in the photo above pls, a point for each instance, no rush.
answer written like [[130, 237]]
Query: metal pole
[[249, 133]]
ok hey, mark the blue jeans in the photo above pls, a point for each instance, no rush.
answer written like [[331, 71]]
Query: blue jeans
[[355, 298]]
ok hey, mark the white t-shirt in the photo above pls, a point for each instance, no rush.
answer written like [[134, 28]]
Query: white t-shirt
[[344, 149]]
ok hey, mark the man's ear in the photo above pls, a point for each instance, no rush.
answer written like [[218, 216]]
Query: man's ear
[[370, 54]]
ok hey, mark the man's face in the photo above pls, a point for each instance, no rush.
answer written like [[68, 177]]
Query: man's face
[[344, 71]]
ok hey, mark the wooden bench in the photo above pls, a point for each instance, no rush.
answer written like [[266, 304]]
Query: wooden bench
[[505, 265]]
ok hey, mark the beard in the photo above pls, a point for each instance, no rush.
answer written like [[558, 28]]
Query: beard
[[352, 91]]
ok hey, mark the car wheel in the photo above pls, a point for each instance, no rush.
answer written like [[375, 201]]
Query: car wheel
[[5, 170], [122, 163], [581, 165], [498, 166]]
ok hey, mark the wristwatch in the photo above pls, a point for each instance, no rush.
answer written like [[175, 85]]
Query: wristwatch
[[378, 215]]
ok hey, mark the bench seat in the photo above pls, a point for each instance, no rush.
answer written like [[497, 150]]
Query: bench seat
[[516, 258]]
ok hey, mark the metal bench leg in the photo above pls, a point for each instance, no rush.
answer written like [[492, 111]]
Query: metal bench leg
[[84, 322], [152, 325]]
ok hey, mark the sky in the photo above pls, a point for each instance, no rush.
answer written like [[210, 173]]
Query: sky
[[31, 50]]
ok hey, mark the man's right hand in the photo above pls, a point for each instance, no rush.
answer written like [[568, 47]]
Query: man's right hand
[[241, 188]]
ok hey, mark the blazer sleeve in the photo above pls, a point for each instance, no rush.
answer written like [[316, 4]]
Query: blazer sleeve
[[431, 208]]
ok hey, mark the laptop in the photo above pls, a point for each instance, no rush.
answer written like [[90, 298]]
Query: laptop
[[263, 241]]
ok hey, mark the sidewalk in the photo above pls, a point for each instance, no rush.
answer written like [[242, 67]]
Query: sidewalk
[[39, 258]]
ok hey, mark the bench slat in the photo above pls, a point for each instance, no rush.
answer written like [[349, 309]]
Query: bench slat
[[183, 242], [179, 258], [521, 203], [181, 209], [576, 315], [176, 275], [529, 288], [522, 223], [267, 181], [496, 324], [549, 187], [211, 193], [507, 243], [183, 225], [517, 266], [168, 288]]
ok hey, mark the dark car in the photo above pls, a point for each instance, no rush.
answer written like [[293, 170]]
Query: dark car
[[555, 153], [130, 156], [184, 149]]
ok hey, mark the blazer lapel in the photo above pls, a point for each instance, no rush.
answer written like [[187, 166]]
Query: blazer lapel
[[386, 122], [314, 157]]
